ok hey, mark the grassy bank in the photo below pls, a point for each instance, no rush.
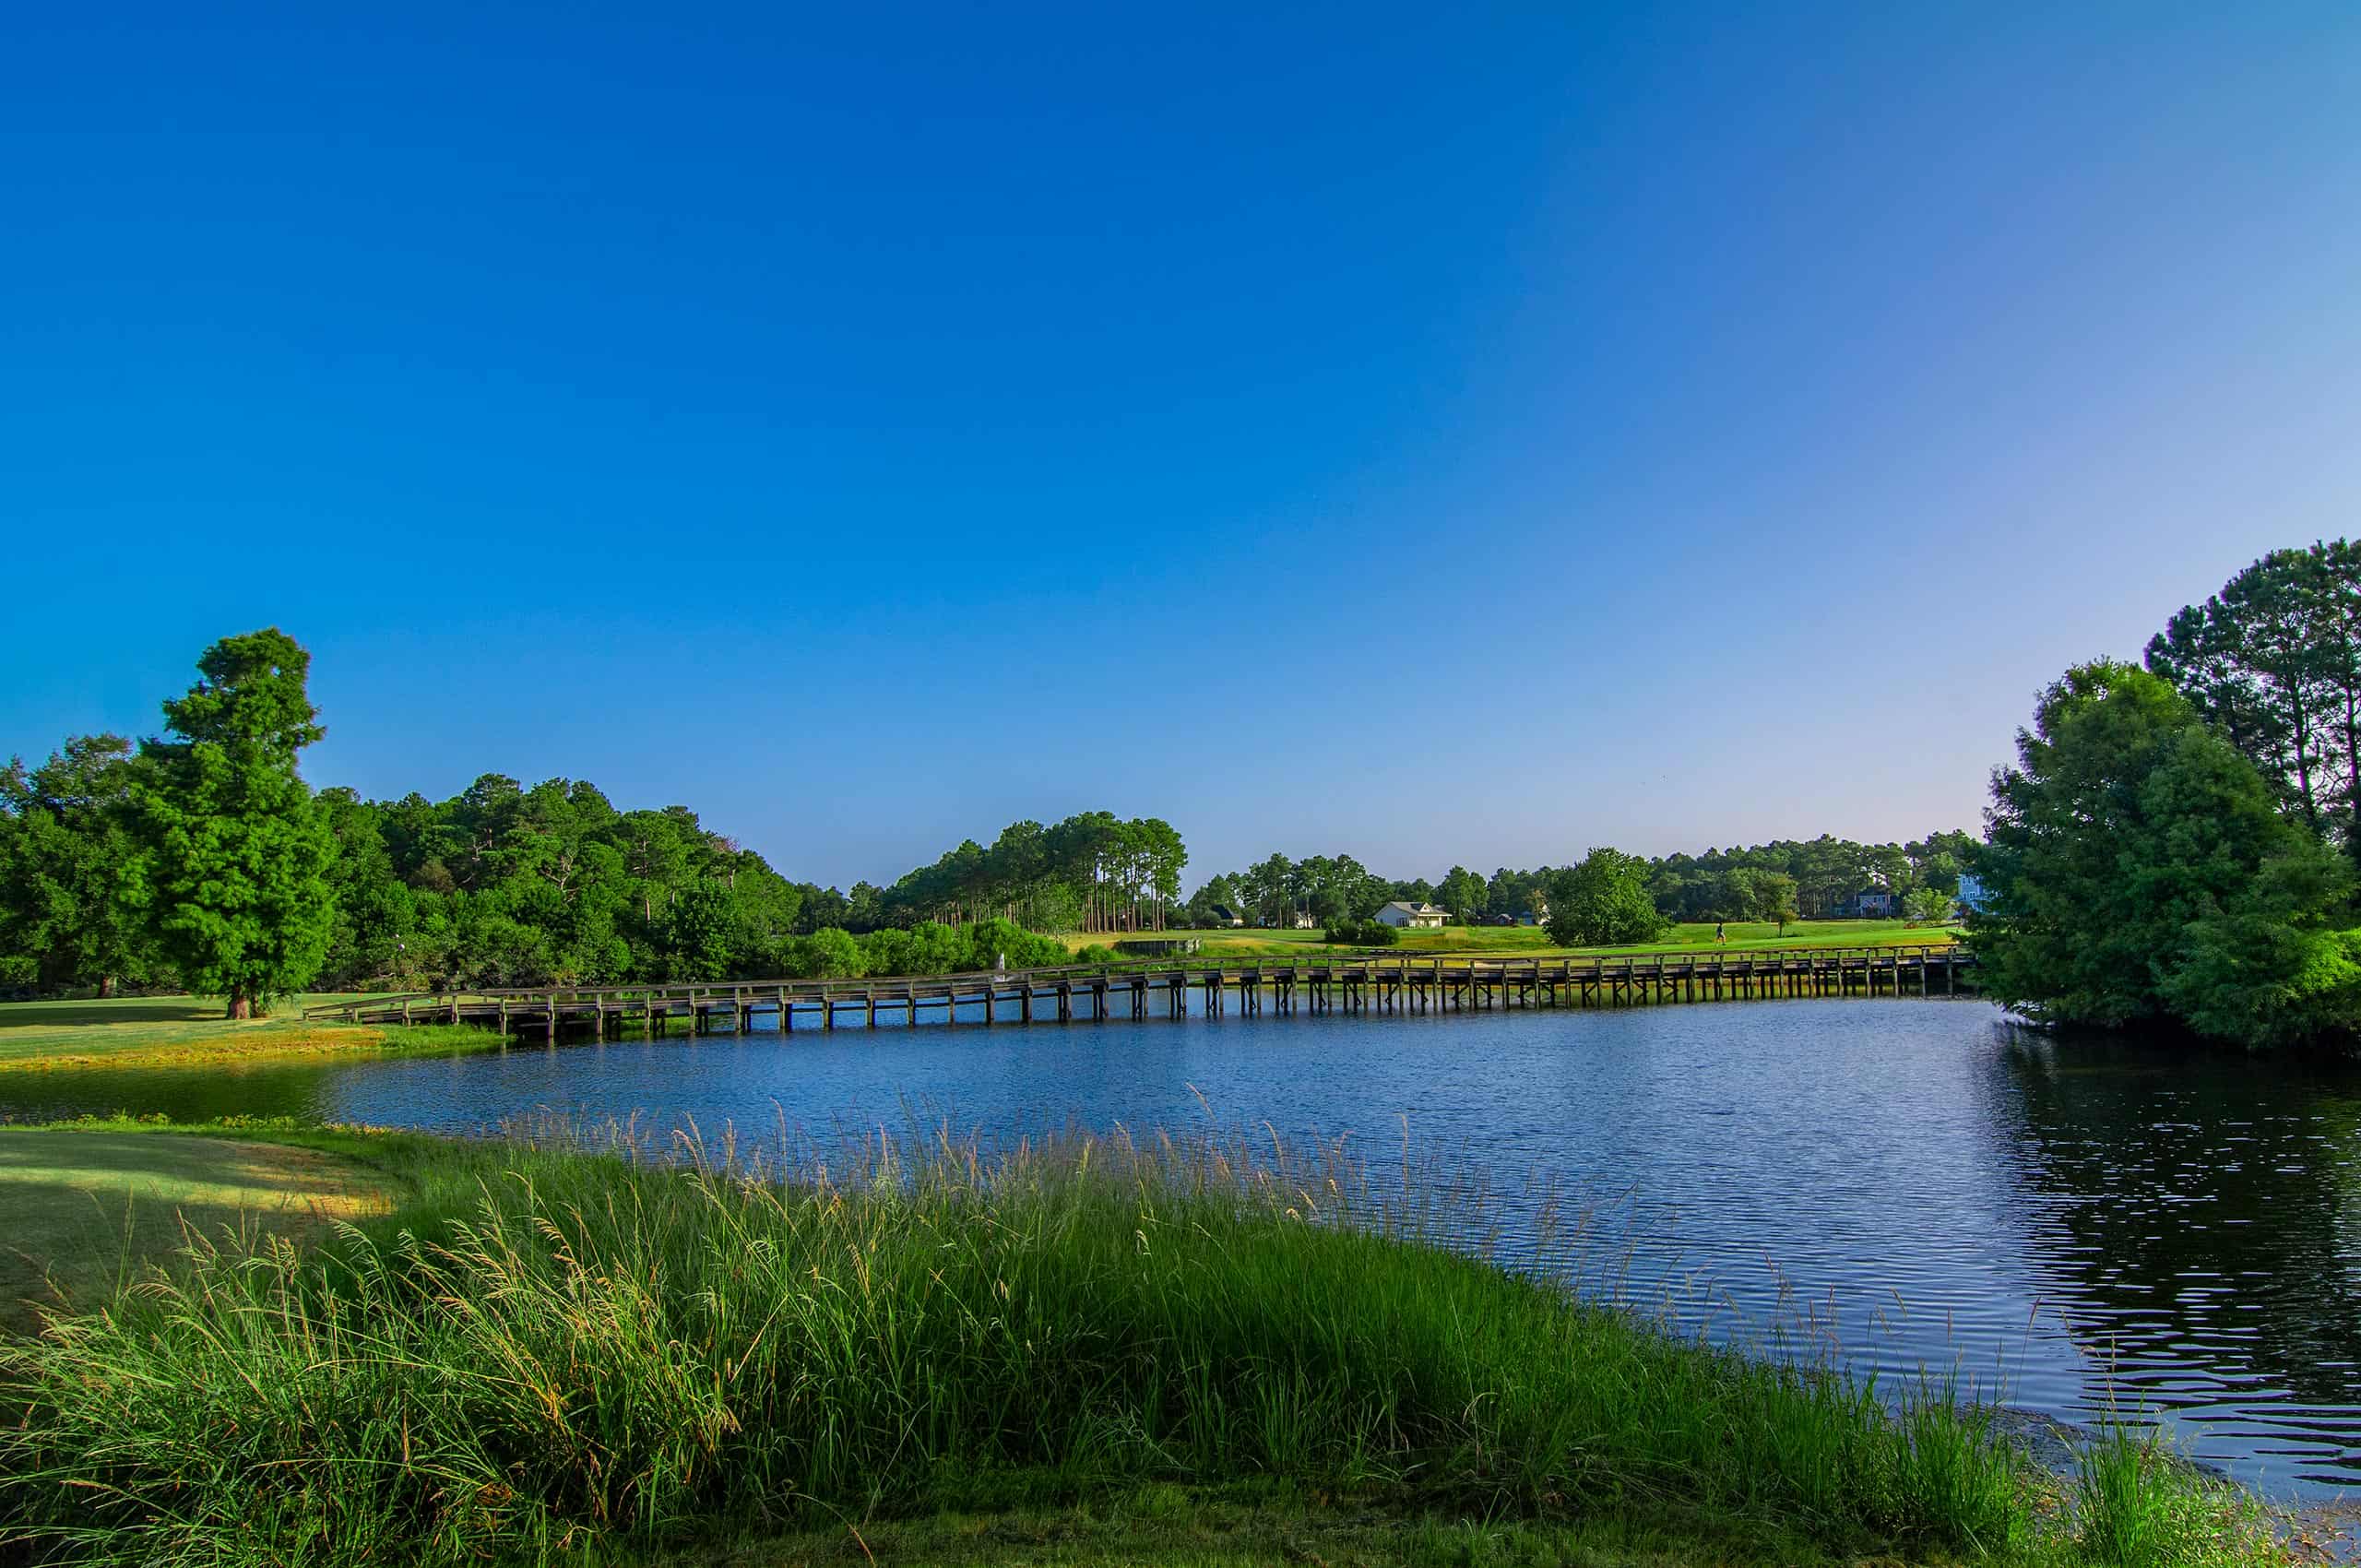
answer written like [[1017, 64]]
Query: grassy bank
[[91, 1209], [1531, 941], [1089, 1352], [162, 1031]]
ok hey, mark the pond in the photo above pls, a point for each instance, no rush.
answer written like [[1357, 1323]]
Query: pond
[[2084, 1227]]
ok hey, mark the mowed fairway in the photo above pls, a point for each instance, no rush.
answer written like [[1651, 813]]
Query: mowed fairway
[[1532, 941], [87, 1210], [138, 1031]]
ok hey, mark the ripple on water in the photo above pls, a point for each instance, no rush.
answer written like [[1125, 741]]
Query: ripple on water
[[2089, 1225]]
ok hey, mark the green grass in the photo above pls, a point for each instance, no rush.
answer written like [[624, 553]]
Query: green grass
[[88, 1209], [1092, 1351], [187, 1030], [1158, 1525], [1533, 942]]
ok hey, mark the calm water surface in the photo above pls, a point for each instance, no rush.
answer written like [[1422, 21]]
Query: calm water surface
[[2083, 1226]]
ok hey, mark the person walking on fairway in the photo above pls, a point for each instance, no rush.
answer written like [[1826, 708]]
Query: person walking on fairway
[[1721, 935]]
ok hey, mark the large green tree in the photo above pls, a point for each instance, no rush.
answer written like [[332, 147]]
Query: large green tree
[[1603, 901], [66, 851], [2273, 662], [1462, 893], [2137, 868], [235, 874], [375, 940]]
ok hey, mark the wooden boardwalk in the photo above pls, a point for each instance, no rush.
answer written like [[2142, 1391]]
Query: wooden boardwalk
[[1373, 983]]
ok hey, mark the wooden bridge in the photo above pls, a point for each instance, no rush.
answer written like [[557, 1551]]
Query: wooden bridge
[[1376, 982]]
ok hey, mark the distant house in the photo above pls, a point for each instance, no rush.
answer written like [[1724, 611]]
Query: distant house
[[1877, 904], [1302, 920], [1222, 915], [1414, 916], [1973, 894]]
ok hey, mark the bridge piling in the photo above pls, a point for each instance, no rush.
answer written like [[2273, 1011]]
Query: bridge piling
[[1370, 984]]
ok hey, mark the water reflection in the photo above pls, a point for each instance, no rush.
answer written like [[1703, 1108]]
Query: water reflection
[[2084, 1222], [2191, 1223], [298, 1089]]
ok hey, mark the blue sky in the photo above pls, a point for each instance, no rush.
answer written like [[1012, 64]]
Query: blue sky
[[1426, 433]]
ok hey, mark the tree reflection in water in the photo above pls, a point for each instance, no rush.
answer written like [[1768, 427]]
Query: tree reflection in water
[[2191, 1218]]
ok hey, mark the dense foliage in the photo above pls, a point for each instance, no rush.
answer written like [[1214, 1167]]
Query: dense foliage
[[2274, 663], [68, 847], [1362, 934], [1603, 901], [1783, 881], [2139, 869], [1093, 872], [204, 859], [234, 870], [1321, 890], [2177, 842], [1819, 878], [932, 948]]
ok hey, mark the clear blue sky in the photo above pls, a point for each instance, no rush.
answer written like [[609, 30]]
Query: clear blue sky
[[1429, 434]]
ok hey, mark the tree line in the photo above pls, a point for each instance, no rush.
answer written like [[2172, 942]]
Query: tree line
[[1094, 871], [1784, 880], [1323, 890], [201, 859], [2177, 840]]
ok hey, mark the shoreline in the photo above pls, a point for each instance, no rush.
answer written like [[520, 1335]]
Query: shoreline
[[1199, 1245]]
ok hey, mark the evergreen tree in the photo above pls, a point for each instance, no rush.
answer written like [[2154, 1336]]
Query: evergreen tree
[[2138, 868], [234, 874]]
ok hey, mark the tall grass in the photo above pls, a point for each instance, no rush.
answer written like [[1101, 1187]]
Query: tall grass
[[555, 1348], [2138, 1505]]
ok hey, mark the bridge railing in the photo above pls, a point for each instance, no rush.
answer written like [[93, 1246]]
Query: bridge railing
[[1374, 963]]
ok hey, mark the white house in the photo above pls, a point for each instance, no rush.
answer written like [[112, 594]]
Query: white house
[[1419, 916]]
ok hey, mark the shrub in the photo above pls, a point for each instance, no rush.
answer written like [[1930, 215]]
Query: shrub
[[1603, 902], [989, 940], [827, 954], [1362, 934]]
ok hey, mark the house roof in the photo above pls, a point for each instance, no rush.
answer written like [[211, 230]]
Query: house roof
[[1409, 908]]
